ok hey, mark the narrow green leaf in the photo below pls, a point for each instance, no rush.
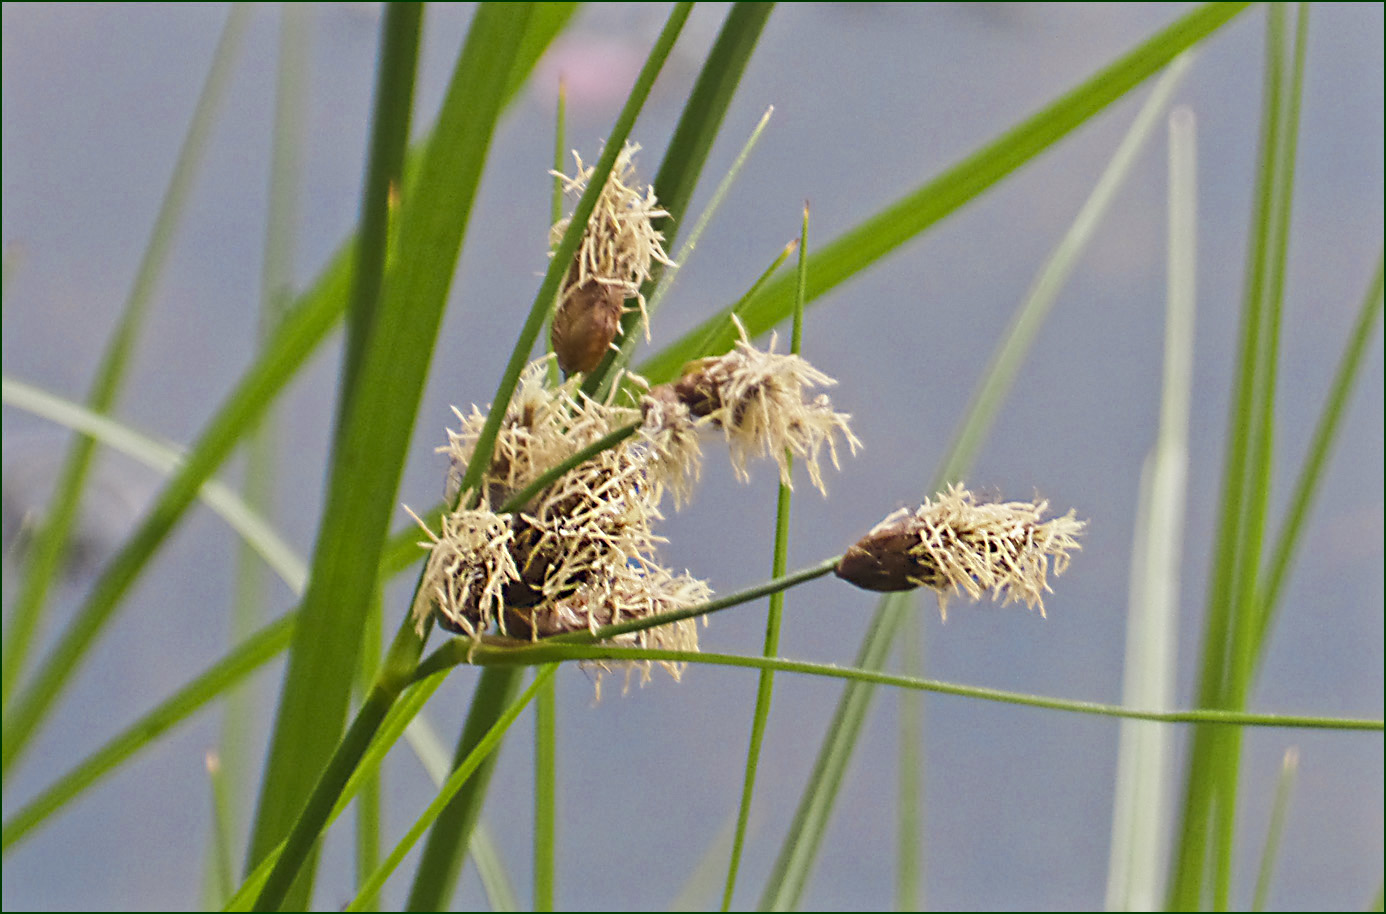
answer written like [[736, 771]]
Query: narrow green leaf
[[377, 424], [1316, 460], [1209, 804], [440, 861], [766, 682], [220, 867], [1289, 768], [790, 874], [858, 248], [460, 776], [50, 543]]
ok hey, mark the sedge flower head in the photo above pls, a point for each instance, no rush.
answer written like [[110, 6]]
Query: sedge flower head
[[757, 397], [613, 259], [955, 543]]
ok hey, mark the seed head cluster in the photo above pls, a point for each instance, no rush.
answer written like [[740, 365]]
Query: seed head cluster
[[613, 259], [580, 552], [548, 545], [955, 542]]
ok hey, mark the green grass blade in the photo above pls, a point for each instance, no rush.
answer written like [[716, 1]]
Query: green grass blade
[[688, 148], [261, 469], [858, 248], [370, 445], [1210, 786], [245, 659], [1289, 768], [1139, 806], [302, 331], [366, 764], [252, 527], [456, 781], [790, 874], [394, 97], [220, 870], [910, 818], [779, 561], [1315, 462], [794, 864], [1245, 622], [50, 542], [440, 862], [545, 795]]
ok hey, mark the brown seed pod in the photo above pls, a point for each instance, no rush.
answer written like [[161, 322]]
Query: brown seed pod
[[587, 320], [882, 561]]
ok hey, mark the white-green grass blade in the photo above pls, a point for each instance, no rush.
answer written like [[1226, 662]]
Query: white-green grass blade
[[1140, 807], [249, 524], [790, 874], [51, 540], [1284, 786]]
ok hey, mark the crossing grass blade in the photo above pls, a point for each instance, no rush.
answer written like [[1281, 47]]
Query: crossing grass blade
[[858, 248], [794, 863], [440, 862], [377, 425], [51, 541]]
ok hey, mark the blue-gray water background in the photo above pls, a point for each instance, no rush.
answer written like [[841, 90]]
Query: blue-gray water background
[[870, 101]]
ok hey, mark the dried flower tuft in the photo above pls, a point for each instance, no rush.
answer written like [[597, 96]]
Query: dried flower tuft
[[468, 570], [542, 427], [757, 399], [612, 261], [956, 542]]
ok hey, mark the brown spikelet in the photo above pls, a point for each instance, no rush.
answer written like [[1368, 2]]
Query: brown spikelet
[[954, 542], [585, 324]]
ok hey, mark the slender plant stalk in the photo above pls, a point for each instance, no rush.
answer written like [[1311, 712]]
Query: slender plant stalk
[[1242, 649], [50, 542], [546, 702], [910, 819], [766, 682], [1311, 473], [1280, 806], [317, 683], [440, 861], [1209, 797], [276, 295]]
